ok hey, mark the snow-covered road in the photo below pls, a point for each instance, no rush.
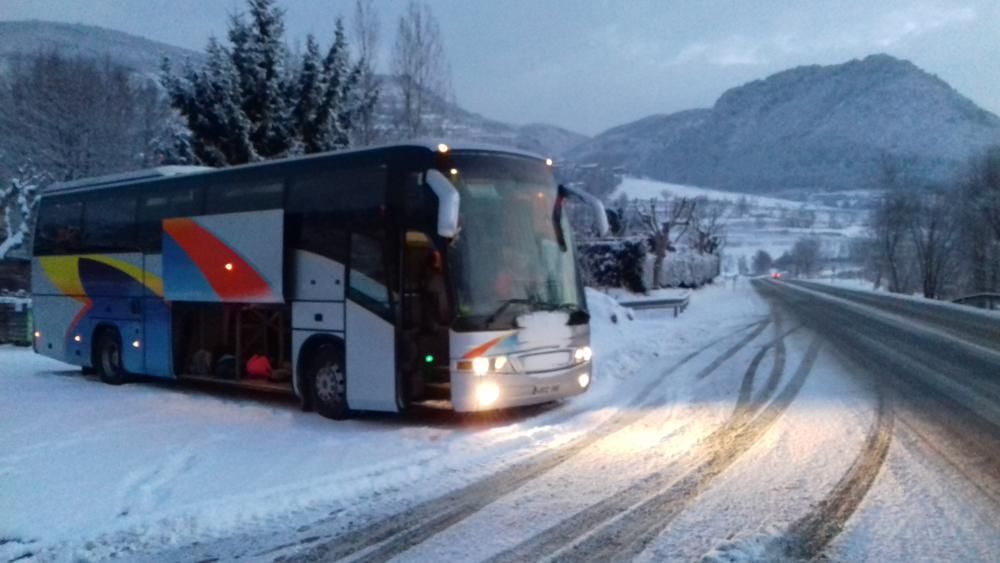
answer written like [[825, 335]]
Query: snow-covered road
[[752, 427]]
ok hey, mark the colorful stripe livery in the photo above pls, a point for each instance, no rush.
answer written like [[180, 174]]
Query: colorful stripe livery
[[111, 291], [223, 258], [500, 343]]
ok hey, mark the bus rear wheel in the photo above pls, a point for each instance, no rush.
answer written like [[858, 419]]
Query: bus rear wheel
[[328, 383], [108, 358]]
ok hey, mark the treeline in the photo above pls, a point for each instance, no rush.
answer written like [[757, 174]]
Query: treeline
[[255, 98], [943, 241]]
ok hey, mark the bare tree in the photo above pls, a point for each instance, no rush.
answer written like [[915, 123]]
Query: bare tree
[[980, 222], [708, 227], [18, 200], [762, 262], [933, 231], [890, 223], [806, 256], [660, 218], [77, 117], [420, 70], [366, 28]]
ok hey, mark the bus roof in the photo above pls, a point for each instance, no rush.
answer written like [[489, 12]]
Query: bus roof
[[159, 172]]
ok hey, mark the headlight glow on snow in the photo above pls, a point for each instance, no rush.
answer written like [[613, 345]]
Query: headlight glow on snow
[[487, 393], [480, 365]]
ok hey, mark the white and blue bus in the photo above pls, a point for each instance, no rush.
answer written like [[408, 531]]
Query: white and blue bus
[[373, 279]]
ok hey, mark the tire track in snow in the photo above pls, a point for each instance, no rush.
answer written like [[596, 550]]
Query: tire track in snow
[[397, 533], [646, 507], [808, 537]]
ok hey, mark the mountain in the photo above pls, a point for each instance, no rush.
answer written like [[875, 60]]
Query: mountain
[[145, 56], [807, 128]]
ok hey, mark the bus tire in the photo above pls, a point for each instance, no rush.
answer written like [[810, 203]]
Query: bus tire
[[327, 382], [108, 357]]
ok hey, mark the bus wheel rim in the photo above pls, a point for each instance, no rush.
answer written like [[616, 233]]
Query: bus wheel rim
[[328, 382]]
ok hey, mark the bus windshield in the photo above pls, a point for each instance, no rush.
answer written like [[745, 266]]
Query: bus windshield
[[506, 260]]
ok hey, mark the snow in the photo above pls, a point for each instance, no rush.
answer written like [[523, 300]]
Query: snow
[[92, 471], [159, 472], [644, 188]]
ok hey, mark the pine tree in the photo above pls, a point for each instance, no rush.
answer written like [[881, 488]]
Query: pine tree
[[309, 97], [248, 103], [258, 56], [334, 115]]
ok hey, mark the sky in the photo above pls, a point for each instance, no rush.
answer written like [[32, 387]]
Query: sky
[[588, 65]]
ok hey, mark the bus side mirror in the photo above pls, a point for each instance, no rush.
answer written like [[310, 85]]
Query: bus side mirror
[[448, 200], [600, 214]]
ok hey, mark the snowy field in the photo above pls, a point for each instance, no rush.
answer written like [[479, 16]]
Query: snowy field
[[719, 435], [766, 223]]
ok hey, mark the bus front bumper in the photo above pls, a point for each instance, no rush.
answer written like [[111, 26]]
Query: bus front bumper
[[471, 393]]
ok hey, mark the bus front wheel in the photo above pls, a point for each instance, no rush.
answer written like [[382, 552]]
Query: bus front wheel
[[108, 358], [328, 383]]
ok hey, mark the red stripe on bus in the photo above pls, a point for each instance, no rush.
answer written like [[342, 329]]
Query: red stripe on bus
[[231, 277]]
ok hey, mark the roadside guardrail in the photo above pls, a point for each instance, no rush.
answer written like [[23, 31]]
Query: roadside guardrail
[[678, 304]]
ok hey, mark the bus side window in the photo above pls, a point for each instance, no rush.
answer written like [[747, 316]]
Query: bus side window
[[239, 196], [367, 274], [109, 224], [59, 228], [164, 204]]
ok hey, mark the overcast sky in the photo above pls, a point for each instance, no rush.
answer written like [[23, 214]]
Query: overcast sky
[[592, 64]]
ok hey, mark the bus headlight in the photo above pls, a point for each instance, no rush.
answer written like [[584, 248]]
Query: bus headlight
[[584, 380], [499, 363], [480, 365], [487, 393], [583, 354]]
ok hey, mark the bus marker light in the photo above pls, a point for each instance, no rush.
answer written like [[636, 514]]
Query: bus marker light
[[454, 171], [583, 380], [548, 162], [480, 365], [442, 148], [38, 334], [77, 338], [229, 266], [429, 358], [135, 343], [487, 393]]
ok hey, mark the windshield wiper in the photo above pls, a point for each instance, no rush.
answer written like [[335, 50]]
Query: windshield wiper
[[504, 305]]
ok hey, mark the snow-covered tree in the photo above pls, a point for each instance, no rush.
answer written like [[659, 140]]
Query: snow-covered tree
[[251, 101], [74, 116], [18, 200]]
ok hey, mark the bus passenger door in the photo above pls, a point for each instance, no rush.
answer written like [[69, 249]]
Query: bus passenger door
[[370, 331]]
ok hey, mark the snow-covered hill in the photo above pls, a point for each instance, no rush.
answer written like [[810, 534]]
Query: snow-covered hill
[[145, 56], [807, 128]]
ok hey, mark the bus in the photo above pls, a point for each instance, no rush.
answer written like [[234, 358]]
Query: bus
[[363, 280]]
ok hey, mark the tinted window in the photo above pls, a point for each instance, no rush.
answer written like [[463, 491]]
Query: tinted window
[[59, 228], [164, 204], [319, 233], [109, 224], [349, 190], [245, 196], [367, 276]]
